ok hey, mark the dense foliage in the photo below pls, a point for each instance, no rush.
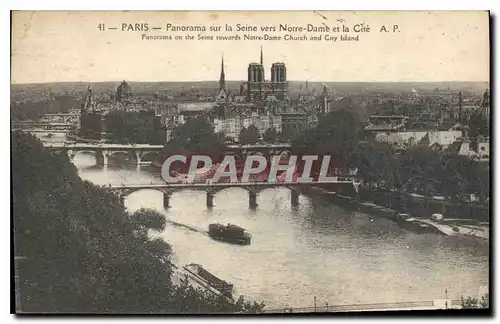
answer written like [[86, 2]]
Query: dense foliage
[[196, 136], [479, 125], [270, 135], [84, 253], [33, 110], [419, 169], [471, 302], [134, 127], [249, 135]]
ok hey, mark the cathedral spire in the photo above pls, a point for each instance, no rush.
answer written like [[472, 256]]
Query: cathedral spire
[[222, 80], [261, 57], [87, 103]]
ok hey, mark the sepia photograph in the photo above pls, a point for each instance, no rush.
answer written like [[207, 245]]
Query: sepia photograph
[[250, 162]]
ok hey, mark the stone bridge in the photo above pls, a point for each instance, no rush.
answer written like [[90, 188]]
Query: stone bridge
[[65, 118], [211, 189], [29, 126], [103, 151]]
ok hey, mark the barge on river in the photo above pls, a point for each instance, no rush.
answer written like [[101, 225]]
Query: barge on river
[[229, 233], [224, 287]]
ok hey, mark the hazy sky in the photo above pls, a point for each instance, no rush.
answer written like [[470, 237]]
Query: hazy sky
[[68, 46]]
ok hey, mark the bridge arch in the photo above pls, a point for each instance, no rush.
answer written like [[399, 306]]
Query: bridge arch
[[210, 190], [216, 190], [149, 155], [129, 191], [126, 153], [75, 152], [72, 119], [56, 119]]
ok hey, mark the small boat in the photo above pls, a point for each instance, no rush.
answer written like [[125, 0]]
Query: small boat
[[229, 233], [403, 218], [222, 286]]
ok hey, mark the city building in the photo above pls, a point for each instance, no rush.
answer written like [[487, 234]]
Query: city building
[[392, 123], [481, 153], [232, 127], [123, 92], [428, 138], [194, 109], [296, 122]]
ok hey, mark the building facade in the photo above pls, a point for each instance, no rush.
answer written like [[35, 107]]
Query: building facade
[[297, 122], [411, 138], [257, 88], [232, 127]]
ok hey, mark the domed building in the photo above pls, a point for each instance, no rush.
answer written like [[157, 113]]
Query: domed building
[[123, 92]]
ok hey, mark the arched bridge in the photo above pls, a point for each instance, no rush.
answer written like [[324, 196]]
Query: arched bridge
[[211, 189], [29, 126], [103, 151], [66, 118]]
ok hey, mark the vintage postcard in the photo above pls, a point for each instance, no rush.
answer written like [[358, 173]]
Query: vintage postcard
[[250, 162]]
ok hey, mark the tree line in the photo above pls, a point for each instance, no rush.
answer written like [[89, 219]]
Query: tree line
[[83, 253], [418, 169], [34, 110], [134, 127]]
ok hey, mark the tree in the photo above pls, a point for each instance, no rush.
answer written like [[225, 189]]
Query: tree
[[84, 253], [270, 135], [289, 135], [196, 136], [471, 302], [478, 125], [375, 163], [134, 127], [336, 133], [249, 135], [149, 219]]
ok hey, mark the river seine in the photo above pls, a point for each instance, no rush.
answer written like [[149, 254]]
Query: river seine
[[314, 250]]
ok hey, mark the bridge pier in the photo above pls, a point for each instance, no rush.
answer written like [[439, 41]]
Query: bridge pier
[[101, 157], [122, 200], [71, 155], [166, 200], [210, 200], [295, 197], [252, 199], [138, 157]]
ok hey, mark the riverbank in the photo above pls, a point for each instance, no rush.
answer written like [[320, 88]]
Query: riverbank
[[74, 137], [376, 307], [449, 227], [181, 274], [423, 206]]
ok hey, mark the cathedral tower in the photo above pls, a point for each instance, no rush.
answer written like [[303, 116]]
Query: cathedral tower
[[222, 79]]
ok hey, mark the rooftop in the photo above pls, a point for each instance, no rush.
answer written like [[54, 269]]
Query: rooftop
[[195, 106]]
